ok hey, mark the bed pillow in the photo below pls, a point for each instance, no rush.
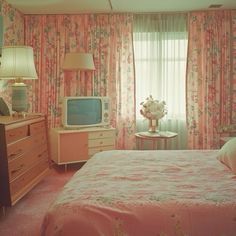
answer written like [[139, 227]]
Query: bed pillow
[[227, 154]]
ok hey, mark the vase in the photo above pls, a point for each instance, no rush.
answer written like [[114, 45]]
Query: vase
[[153, 124]]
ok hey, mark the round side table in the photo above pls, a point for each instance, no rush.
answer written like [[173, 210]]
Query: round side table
[[141, 137]]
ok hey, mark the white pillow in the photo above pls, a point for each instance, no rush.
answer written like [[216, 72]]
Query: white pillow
[[227, 154]]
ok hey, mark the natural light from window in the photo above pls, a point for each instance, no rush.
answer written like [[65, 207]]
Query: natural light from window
[[160, 67]]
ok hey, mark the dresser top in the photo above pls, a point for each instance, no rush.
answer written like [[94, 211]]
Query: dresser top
[[6, 120]]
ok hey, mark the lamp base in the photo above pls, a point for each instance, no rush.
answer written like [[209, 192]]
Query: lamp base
[[20, 114], [19, 98]]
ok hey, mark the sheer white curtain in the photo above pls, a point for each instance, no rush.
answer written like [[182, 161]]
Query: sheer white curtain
[[160, 51]]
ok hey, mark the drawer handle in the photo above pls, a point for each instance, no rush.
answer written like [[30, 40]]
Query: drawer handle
[[41, 154], [101, 142], [15, 154], [18, 169], [101, 134]]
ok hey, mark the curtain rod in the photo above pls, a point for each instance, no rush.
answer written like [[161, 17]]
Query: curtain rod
[[134, 13]]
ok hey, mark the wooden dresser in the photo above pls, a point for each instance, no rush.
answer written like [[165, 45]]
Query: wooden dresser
[[70, 146], [24, 159]]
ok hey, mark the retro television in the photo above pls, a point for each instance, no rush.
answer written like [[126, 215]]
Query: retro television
[[82, 112]]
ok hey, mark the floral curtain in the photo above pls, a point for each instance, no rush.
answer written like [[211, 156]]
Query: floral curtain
[[109, 38], [13, 34], [211, 77]]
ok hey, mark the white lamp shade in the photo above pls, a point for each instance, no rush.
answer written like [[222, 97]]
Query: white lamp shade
[[17, 62], [78, 61]]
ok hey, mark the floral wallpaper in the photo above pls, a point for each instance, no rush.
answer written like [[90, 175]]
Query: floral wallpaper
[[13, 22]]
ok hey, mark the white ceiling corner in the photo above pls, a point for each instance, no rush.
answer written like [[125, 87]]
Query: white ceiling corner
[[98, 6]]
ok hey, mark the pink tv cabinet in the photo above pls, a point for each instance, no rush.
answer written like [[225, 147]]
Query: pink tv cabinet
[[71, 146]]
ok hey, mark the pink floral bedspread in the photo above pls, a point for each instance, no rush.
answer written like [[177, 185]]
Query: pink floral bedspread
[[142, 193]]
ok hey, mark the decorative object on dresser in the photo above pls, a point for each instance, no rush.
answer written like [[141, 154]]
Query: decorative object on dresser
[[17, 63], [153, 110], [24, 157], [71, 146]]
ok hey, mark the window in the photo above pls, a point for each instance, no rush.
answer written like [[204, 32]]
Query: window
[[160, 72], [160, 52]]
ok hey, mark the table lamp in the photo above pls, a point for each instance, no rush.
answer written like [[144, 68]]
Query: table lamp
[[78, 61], [17, 63]]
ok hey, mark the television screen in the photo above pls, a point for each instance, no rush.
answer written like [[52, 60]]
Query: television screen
[[84, 111]]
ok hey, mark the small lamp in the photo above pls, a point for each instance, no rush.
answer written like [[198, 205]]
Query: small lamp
[[78, 61], [17, 63]]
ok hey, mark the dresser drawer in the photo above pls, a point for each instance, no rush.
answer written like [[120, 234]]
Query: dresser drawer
[[13, 135], [24, 162], [39, 139], [92, 151], [18, 186], [37, 127], [19, 147], [101, 134], [100, 142]]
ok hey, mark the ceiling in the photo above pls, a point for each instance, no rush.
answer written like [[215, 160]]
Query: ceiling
[[98, 6]]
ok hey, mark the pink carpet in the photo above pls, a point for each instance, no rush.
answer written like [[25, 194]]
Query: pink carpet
[[25, 218]]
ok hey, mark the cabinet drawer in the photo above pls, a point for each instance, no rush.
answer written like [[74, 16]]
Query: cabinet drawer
[[23, 181], [16, 134], [39, 139], [24, 162], [92, 151], [101, 134], [100, 142], [36, 128], [18, 148]]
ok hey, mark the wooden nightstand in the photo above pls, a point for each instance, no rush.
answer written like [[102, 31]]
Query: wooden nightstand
[[141, 137]]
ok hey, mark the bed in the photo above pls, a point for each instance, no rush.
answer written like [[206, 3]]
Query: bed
[[132, 193]]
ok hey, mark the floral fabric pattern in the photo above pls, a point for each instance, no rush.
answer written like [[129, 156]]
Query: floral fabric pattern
[[211, 70], [109, 38], [147, 193], [211, 76], [13, 34]]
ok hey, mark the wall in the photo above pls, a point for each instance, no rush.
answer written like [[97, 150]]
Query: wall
[[13, 22]]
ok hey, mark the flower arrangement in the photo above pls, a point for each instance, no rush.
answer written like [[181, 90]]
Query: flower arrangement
[[153, 109]]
